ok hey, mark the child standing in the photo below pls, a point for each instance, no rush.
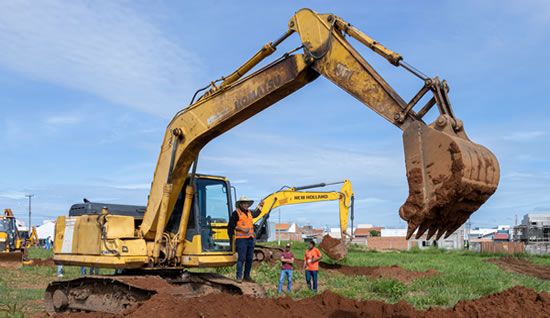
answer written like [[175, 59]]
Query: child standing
[[287, 261], [311, 266]]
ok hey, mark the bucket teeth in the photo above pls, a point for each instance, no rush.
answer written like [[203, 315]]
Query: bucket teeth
[[431, 231], [422, 229], [449, 178], [440, 233], [410, 230], [453, 229]]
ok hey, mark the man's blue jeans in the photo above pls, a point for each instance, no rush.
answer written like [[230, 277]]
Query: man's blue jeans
[[245, 251], [311, 280], [285, 273]]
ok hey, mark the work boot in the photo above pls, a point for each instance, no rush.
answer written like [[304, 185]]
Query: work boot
[[249, 280]]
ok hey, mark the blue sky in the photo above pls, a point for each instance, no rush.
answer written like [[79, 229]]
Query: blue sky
[[87, 88]]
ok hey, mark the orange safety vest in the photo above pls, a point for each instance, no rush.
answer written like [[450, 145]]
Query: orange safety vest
[[246, 222]]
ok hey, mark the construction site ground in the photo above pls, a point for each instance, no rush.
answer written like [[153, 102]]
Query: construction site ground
[[404, 283]]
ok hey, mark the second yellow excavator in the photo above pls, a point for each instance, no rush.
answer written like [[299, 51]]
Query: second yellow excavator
[[449, 176], [291, 196]]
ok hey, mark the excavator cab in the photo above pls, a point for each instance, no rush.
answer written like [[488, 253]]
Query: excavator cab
[[209, 215]]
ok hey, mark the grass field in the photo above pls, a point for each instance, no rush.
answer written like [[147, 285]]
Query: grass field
[[462, 275]]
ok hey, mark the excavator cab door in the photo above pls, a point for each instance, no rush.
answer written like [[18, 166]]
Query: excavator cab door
[[212, 210]]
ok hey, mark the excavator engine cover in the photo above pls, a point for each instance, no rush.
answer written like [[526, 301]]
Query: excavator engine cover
[[449, 177]]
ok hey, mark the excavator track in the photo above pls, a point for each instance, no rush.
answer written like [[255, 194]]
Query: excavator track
[[122, 294], [266, 253]]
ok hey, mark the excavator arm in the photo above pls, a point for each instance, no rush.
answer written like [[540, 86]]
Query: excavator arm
[[449, 176], [296, 195]]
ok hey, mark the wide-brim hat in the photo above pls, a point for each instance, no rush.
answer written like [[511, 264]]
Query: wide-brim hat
[[244, 198]]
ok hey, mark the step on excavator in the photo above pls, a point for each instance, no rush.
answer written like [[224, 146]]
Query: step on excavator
[[449, 176]]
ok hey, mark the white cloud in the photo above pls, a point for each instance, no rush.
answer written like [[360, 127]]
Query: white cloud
[[371, 200], [102, 48], [65, 119], [13, 195], [136, 186], [524, 135]]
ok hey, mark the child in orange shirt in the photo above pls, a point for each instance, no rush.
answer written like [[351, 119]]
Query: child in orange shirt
[[311, 265]]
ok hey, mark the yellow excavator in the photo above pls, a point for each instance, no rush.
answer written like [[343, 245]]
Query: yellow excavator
[[291, 196], [11, 243], [449, 176], [32, 238]]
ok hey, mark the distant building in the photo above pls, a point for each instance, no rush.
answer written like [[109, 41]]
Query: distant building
[[454, 241], [311, 233], [287, 232], [393, 232], [335, 232], [478, 233], [361, 234], [501, 237], [535, 227], [536, 219]]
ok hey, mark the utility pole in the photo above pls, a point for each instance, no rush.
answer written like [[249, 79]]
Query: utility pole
[[29, 196], [279, 234]]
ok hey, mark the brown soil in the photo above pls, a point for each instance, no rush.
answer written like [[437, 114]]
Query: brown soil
[[10, 264], [334, 248], [515, 302], [392, 272], [521, 266], [41, 262]]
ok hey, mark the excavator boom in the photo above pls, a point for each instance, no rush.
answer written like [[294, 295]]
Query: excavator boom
[[449, 176], [296, 195]]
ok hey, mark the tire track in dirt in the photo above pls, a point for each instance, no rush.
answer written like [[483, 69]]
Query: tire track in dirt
[[520, 266]]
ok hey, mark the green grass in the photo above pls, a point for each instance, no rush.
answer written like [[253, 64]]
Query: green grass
[[462, 275]]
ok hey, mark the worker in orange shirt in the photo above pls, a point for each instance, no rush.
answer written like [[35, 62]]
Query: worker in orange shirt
[[311, 265]]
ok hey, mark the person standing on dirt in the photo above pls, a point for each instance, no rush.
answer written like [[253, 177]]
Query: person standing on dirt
[[241, 229], [311, 265], [287, 262]]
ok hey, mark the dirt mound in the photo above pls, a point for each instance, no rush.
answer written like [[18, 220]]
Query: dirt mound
[[520, 266], [393, 272], [514, 302], [517, 301], [334, 248], [40, 262]]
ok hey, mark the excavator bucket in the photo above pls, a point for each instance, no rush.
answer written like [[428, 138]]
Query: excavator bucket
[[11, 259], [334, 248], [449, 178]]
